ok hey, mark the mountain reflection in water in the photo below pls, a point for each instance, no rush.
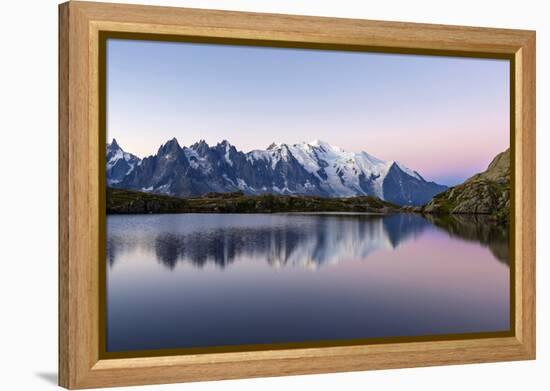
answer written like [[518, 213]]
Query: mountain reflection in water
[[309, 240]]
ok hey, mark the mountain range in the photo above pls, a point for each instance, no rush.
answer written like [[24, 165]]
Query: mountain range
[[314, 169]]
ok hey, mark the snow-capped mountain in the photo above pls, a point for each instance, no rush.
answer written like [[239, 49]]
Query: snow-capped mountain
[[314, 168], [119, 163]]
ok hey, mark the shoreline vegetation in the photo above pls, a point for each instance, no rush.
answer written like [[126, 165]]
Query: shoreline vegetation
[[134, 202], [121, 201]]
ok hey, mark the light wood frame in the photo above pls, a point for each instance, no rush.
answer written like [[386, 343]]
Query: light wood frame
[[80, 166]]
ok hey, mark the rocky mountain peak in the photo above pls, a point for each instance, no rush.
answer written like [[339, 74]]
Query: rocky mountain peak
[[119, 163], [200, 147], [170, 146], [224, 145]]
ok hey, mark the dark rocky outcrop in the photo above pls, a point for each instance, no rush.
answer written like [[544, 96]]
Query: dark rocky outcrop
[[485, 193]]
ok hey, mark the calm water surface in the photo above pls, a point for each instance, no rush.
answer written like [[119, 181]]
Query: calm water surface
[[199, 280]]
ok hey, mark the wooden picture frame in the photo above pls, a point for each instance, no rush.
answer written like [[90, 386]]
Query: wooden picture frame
[[81, 203]]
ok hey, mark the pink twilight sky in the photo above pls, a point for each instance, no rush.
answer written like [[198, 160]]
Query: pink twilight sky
[[444, 117]]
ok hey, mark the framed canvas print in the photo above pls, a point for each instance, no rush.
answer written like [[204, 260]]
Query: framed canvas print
[[248, 195]]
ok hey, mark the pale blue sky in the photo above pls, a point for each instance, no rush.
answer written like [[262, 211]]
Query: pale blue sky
[[444, 117]]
